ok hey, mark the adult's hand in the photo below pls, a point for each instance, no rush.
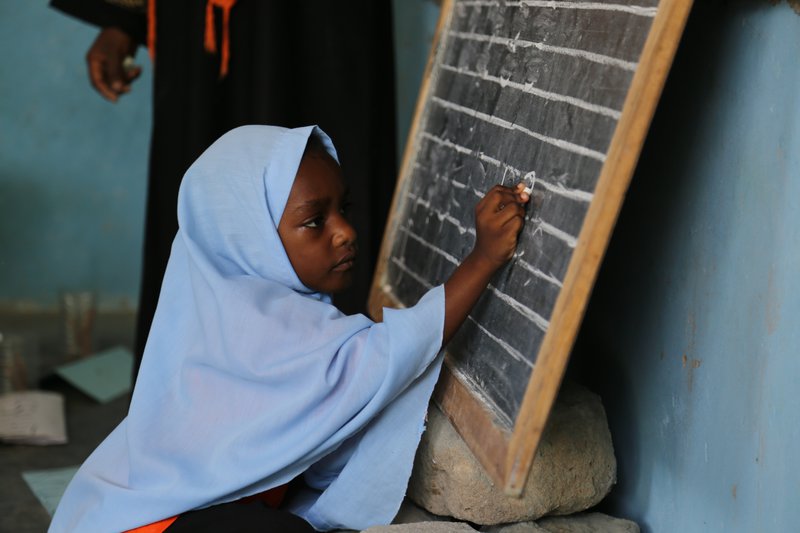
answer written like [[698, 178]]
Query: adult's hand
[[109, 72]]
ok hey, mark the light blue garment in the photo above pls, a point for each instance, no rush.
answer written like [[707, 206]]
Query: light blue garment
[[249, 378]]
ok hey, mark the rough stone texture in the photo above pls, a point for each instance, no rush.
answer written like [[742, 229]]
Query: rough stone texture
[[588, 523], [424, 527], [573, 470], [410, 513], [577, 523], [519, 527]]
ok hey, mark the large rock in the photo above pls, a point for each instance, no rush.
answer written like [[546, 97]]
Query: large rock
[[587, 523], [519, 527], [573, 470], [424, 527], [410, 513], [576, 523]]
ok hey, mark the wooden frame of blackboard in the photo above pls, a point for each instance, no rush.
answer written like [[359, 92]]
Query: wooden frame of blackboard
[[507, 455]]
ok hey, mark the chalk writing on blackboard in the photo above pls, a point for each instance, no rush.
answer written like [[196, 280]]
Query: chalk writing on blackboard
[[522, 88], [552, 93]]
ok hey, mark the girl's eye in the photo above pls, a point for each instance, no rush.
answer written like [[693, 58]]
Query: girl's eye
[[345, 209], [315, 222]]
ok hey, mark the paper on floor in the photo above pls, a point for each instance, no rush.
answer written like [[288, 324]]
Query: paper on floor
[[49, 485], [104, 376], [32, 417]]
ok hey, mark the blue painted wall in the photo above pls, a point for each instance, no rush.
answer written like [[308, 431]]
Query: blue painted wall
[[415, 26], [691, 336], [72, 166]]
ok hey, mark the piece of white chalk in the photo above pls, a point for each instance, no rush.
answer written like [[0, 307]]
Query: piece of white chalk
[[128, 63], [527, 190]]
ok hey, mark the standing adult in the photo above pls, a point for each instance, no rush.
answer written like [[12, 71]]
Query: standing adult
[[219, 64]]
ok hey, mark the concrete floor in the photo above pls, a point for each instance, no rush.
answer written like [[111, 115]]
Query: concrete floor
[[88, 422]]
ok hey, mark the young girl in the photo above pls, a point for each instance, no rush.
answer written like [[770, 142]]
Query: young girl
[[251, 377]]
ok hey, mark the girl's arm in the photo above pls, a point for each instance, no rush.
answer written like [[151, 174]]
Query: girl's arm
[[498, 220]]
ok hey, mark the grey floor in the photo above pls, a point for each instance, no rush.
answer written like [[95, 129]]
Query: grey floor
[[88, 421]]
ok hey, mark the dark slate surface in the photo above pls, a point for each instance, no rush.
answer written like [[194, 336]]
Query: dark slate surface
[[516, 90]]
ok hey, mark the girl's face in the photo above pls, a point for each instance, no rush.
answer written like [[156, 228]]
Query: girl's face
[[317, 237]]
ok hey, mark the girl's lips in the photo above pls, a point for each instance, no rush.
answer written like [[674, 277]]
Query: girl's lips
[[345, 264]]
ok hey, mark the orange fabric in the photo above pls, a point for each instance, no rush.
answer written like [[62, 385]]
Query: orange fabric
[[210, 36], [272, 497], [156, 527], [151, 29]]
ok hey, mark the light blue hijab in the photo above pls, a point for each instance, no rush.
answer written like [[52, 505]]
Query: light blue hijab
[[249, 378]]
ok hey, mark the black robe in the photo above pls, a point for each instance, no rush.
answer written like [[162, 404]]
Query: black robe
[[292, 63]]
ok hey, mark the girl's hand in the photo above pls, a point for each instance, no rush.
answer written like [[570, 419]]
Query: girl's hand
[[498, 220]]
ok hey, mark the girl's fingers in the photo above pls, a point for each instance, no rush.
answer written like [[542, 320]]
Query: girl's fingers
[[505, 197], [522, 191], [502, 204], [512, 212]]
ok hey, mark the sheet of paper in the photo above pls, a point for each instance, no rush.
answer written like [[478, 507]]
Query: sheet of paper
[[49, 485], [104, 376], [32, 417]]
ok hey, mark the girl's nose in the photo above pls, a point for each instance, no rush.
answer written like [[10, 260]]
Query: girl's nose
[[344, 233]]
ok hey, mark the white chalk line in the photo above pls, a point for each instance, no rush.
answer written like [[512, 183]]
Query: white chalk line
[[517, 260], [513, 352], [454, 183], [413, 275], [560, 190], [538, 273], [520, 308], [523, 310], [441, 215], [559, 143], [593, 6], [529, 89], [541, 225], [450, 258], [512, 44], [479, 391], [544, 227]]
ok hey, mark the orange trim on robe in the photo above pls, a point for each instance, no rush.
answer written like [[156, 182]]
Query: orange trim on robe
[[210, 38], [272, 497], [151, 29], [156, 527]]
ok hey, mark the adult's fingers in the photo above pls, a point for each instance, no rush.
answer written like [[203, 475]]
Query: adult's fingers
[[132, 73], [116, 75], [98, 77], [105, 60]]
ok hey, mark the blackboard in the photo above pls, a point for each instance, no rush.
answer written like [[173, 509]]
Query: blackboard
[[555, 93]]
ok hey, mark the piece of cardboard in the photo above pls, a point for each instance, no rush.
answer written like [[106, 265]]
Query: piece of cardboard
[[104, 376], [49, 485]]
